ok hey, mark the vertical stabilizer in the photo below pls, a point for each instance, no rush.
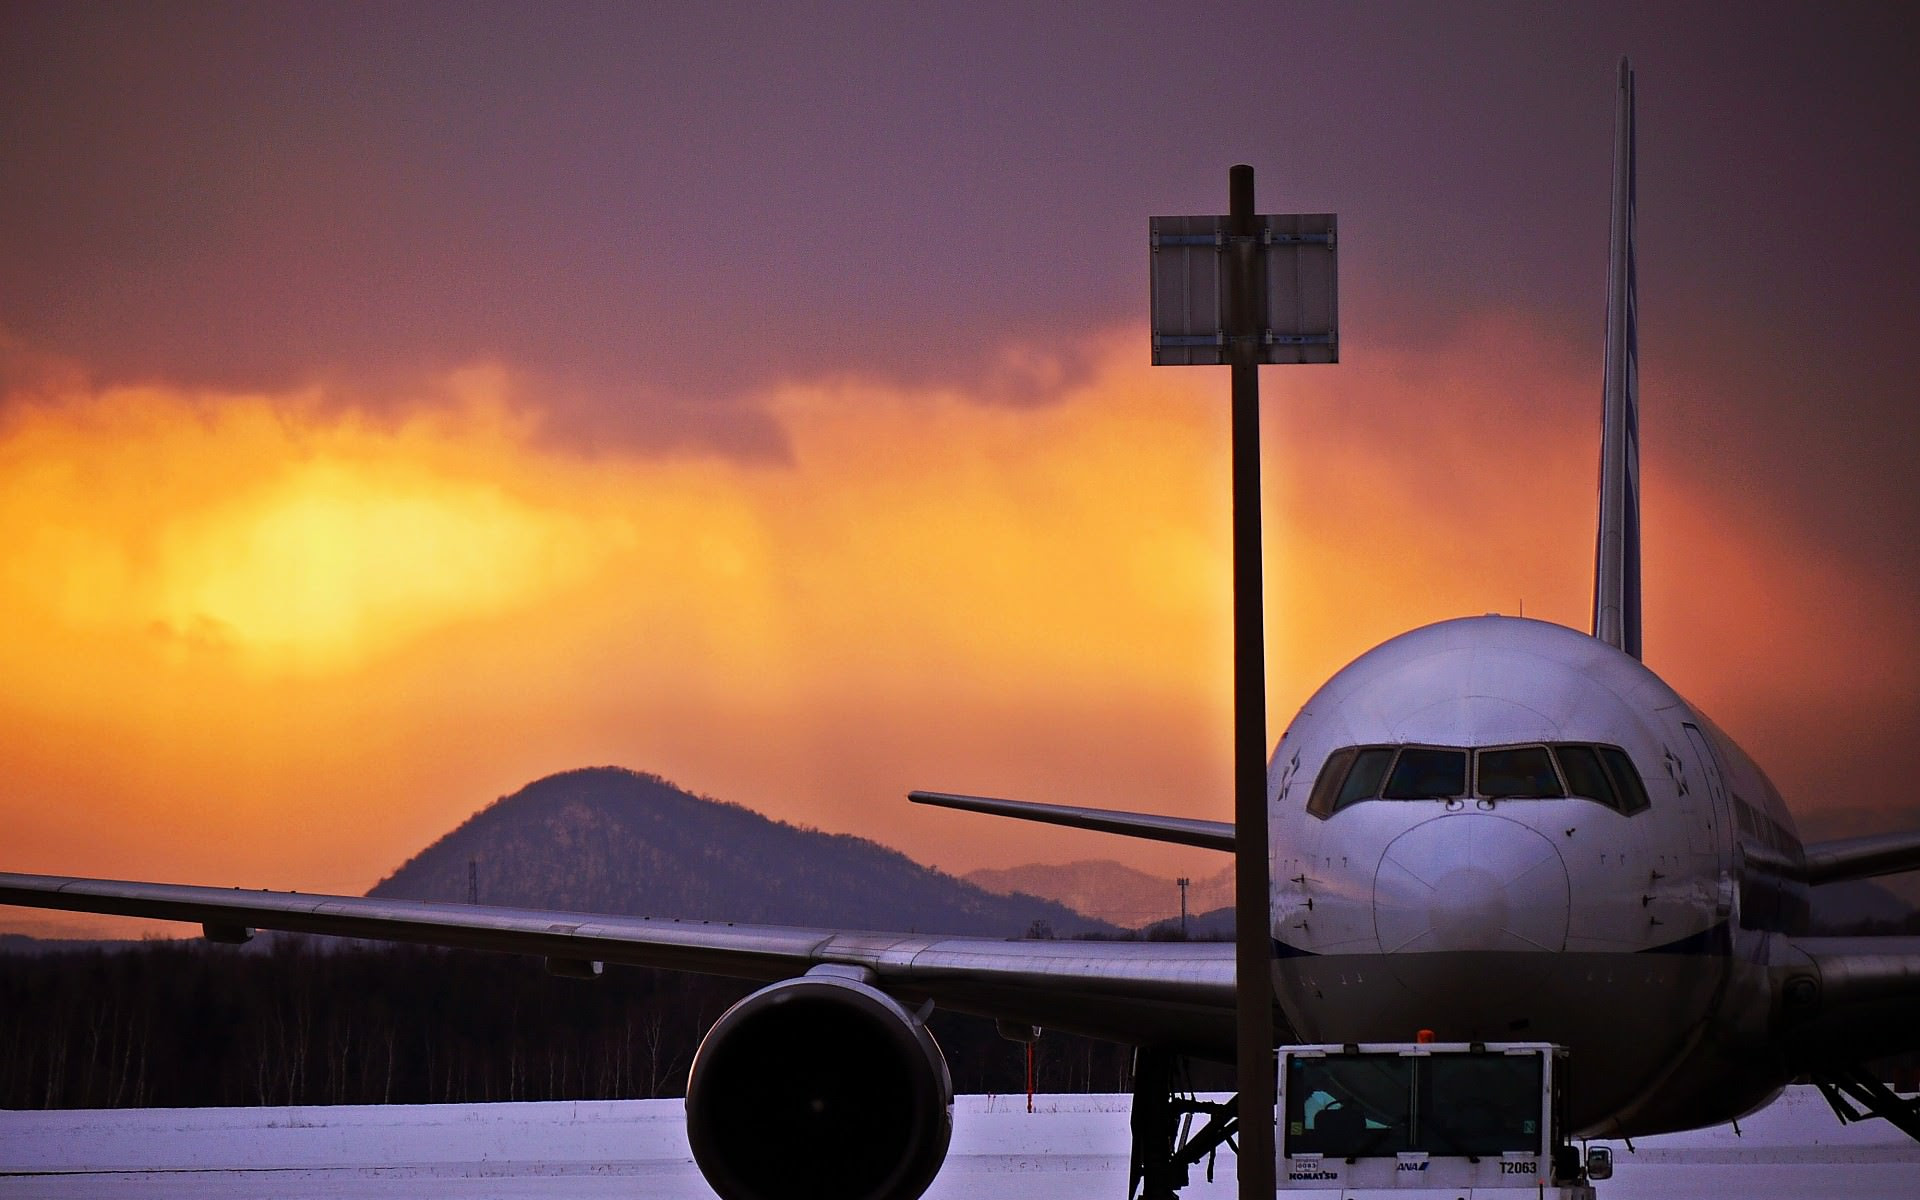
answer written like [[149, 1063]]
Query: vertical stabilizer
[[1616, 570]]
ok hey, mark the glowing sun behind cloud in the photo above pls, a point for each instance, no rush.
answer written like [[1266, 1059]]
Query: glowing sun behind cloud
[[341, 558], [276, 534]]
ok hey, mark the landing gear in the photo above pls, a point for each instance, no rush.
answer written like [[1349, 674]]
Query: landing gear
[[1854, 1083], [1165, 1144]]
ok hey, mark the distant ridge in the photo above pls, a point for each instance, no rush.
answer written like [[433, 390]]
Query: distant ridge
[[1115, 892], [611, 840], [1109, 890]]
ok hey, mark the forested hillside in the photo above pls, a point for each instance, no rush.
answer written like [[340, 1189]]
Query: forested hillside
[[610, 840]]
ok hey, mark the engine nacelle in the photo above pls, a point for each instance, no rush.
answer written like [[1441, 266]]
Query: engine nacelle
[[819, 1086]]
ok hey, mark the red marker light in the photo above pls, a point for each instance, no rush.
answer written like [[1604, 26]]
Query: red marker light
[[1424, 1036]]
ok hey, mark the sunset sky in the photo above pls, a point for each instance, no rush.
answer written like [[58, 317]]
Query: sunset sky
[[399, 403]]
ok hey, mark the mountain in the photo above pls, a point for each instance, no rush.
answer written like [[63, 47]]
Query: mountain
[[609, 840], [1109, 890]]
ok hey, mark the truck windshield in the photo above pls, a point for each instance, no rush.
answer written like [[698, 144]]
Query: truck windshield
[[1380, 1105]]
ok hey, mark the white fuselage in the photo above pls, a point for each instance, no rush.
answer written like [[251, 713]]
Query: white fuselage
[[1640, 940]]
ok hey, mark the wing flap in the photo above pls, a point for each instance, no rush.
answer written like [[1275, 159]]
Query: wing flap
[[1177, 994]]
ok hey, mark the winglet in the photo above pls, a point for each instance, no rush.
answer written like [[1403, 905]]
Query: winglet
[[1616, 572]]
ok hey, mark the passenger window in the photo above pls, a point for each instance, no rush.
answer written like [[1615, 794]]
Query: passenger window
[[1522, 771], [1585, 776], [1423, 774], [1626, 780], [1327, 787], [1364, 781]]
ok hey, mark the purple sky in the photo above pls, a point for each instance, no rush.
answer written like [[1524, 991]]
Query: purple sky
[[654, 216], [659, 210], [674, 204]]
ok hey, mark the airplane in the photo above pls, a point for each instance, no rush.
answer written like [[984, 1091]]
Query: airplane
[[1490, 828]]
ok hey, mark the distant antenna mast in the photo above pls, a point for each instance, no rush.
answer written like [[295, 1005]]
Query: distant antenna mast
[[473, 881], [1183, 881]]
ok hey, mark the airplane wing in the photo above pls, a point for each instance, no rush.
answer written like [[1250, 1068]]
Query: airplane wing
[[1862, 857], [1173, 994], [1186, 831]]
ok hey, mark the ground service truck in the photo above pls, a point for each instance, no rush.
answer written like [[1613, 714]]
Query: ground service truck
[[1468, 1120]]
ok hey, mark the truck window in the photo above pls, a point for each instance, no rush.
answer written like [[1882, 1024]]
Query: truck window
[[1485, 1104], [1349, 1106]]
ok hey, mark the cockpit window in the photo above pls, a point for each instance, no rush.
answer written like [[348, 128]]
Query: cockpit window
[[1326, 789], [1363, 783], [1602, 774], [1585, 776], [1421, 773], [1626, 780], [1515, 772], [1351, 774]]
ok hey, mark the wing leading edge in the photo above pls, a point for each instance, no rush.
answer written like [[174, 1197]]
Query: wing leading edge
[[1173, 994], [1862, 857], [1185, 831]]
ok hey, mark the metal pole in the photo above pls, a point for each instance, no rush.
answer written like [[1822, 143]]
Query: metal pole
[[1029, 1075], [1251, 907]]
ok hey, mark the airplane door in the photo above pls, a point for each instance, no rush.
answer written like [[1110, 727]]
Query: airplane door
[[1707, 833]]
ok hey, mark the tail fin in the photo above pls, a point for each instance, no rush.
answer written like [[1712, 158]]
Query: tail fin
[[1616, 570]]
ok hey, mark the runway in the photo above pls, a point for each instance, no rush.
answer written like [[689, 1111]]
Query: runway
[[1072, 1147]]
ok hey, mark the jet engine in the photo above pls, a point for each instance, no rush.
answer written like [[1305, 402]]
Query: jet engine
[[819, 1086]]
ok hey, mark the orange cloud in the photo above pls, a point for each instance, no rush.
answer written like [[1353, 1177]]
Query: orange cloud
[[269, 531], [270, 640]]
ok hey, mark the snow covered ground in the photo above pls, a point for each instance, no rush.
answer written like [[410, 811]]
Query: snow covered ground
[[1074, 1146]]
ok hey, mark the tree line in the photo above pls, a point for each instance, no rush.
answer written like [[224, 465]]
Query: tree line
[[309, 1021], [304, 1021]]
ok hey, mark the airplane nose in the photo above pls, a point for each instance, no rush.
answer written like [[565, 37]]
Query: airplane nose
[[1470, 881]]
